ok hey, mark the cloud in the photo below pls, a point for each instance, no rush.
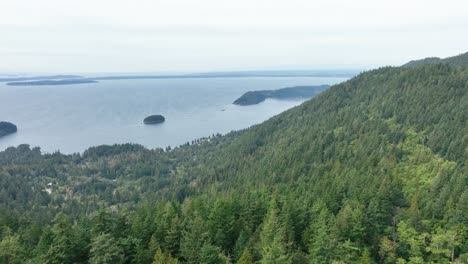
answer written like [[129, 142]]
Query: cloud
[[143, 35]]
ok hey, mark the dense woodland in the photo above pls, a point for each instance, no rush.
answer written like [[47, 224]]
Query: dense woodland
[[373, 170]]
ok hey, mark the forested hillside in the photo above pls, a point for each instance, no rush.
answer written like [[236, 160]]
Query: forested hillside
[[373, 170]]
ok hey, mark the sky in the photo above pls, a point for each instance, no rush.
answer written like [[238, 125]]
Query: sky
[[71, 36]]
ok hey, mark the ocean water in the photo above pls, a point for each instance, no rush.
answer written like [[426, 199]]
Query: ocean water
[[71, 118]]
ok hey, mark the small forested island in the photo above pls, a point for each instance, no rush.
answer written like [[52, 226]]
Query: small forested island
[[7, 128], [52, 82], [154, 119], [256, 97]]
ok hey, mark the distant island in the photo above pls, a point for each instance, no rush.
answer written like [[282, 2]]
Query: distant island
[[154, 119], [7, 128], [256, 97], [52, 82], [76, 79], [238, 74], [35, 78]]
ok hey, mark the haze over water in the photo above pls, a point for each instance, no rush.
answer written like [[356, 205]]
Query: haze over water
[[72, 118]]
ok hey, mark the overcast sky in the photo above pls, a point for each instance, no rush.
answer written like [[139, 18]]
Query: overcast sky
[[216, 35]]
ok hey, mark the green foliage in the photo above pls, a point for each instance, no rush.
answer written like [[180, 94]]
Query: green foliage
[[246, 257], [163, 258], [320, 235], [106, 250], [210, 254], [193, 241], [11, 250], [273, 237], [365, 258], [67, 244]]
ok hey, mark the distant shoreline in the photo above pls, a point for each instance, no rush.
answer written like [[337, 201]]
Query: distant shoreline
[[52, 82], [75, 79]]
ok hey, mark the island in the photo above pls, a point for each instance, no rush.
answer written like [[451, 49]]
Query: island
[[7, 128], [37, 78], [296, 92], [52, 82], [154, 119]]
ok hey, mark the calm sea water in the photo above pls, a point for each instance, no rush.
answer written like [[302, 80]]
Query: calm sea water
[[74, 117]]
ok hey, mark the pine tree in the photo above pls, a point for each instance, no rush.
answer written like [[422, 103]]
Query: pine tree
[[320, 240], [211, 254], [365, 257], [65, 245], [163, 258], [246, 257], [11, 250], [194, 238], [106, 250], [273, 238]]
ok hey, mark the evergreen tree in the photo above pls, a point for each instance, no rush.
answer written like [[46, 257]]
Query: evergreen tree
[[106, 250], [273, 238], [11, 251], [163, 258], [66, 246], [365, 257], [321, 239], [194, 238], [246, 257], [210, 254]]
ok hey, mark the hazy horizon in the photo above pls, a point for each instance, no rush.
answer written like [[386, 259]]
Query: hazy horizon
[[53, 36], [350, 72]]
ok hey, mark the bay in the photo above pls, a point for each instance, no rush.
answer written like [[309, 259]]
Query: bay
[[72, 118]]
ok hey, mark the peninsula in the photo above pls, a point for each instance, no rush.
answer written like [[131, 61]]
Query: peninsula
[[256, 97], [7, 128]]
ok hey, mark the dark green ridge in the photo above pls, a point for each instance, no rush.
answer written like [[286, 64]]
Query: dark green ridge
[[460, 60]]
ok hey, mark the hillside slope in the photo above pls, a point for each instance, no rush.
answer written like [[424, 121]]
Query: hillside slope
[[371, 170]]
